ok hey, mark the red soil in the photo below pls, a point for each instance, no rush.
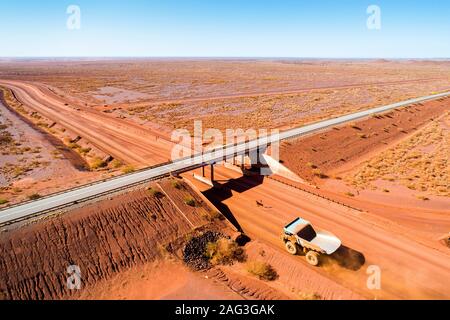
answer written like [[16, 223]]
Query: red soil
[[108, 238], [159, 280], [343, 147], [340, 150], [410, 268], [123, 140], [103, 239]]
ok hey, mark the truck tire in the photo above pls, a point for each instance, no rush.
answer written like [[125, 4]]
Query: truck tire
[[292, 248], [312, 258]]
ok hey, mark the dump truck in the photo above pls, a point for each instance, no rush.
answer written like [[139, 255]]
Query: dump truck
[[299, 235]]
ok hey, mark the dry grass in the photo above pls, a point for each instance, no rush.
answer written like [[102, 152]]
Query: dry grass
[[224, 251], [155, 193], [190, 201], [262, 270], [211, 215], [34, 196], [128, 169], [420, 163], [309, 296], [318, 173], [168, 80], [97, 163], [175, 184], [116, 164]]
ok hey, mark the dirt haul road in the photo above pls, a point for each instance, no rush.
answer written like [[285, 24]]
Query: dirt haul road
[[409, 270], [120, 138]]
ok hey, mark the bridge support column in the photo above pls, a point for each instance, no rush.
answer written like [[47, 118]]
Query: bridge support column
[[212, 173]]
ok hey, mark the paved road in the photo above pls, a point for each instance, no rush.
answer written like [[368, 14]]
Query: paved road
[[88, 192]]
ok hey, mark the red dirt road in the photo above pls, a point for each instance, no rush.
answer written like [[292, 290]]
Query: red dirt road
[[121, 139], [409, 270]]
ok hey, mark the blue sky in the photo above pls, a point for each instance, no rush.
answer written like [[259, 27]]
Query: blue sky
[[226, 28]]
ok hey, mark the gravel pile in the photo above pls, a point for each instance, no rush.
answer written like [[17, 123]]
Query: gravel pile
[[194, 252]]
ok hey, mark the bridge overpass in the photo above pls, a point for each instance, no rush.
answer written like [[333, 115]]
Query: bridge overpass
[[85, 193]]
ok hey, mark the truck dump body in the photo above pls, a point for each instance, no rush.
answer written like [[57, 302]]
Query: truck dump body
[[327, 242]]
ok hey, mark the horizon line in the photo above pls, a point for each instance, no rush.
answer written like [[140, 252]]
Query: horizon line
[[224, 57]]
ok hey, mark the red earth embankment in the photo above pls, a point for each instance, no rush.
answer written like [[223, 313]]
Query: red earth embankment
[[103, 239], [341, 147]]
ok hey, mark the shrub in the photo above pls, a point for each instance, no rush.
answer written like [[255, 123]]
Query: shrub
[[354, 126], [311, 165], [18, 171], [155, 193], [319, 173], [176, 184], [223, 251], [211, 215], [42, 124], [309, 296], [349, 194], [85, 150], [128, 169], [5, 138], [262, 270], [190, 201], [362, 136], [97, 163], [116, 164], [34, 196], [3, 201], [74, 146]]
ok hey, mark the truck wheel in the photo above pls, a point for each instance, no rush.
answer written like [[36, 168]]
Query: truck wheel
[[312, 258], [291, 248]]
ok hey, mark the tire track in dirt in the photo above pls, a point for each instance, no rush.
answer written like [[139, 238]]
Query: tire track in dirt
[[410, 269], [121, 139], [250, 289]]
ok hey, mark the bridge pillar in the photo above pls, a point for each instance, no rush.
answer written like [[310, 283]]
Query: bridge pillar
[[212, 173], [257, 161]]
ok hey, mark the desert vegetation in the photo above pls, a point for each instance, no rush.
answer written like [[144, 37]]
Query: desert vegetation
[[224, 94], [18, 156], [262, 270], [223, 251], [419, 163]]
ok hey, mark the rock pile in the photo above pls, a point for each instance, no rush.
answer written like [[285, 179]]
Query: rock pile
[[194, 251]]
